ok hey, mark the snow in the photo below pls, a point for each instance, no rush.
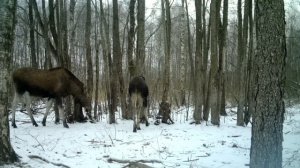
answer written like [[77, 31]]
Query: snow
[[179, 145]]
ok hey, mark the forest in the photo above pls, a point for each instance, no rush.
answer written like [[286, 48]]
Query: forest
[[211, 66]]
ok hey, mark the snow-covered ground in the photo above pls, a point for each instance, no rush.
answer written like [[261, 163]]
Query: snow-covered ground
[[178, 145]]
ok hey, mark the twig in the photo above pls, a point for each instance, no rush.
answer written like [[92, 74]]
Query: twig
[[112, 142], [47, 161], [110, 160], [136, 163], [37, 141], [191, 160]]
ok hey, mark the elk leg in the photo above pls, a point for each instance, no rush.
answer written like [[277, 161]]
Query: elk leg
[[138, 118], [145, 115], [134, 120], [61, 112], [49, 105], [13, 109], [56, 111], [28, 103]]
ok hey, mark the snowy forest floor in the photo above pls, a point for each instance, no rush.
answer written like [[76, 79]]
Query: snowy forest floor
[[115, 145]]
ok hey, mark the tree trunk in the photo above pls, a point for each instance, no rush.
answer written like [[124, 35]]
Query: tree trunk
[[249, 101], [34, 62], [215, 113], [97, 47], [88, 50], [198, 64], [239, 70], [206, 82], [269, 66], [182, 90], [140, 44], [7, 19], [167, 41], [130, 43], [222, 52], [117, 57], [45, 29], [107, 64]]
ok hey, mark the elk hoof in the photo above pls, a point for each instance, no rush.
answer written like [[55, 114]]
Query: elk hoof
[[156, 122], [14, 125], [147, 124], [35, 124], [57, 121], [65, 125], [138, 128], [134, 129], [44, 122]]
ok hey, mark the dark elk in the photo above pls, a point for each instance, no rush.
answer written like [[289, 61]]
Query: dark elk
[[53, 84], [138, 92]]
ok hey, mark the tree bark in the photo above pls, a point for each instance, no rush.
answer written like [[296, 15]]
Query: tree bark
[[183, 56], [97, 47], [130, 39], [34, 62], [130, 46], [167, 40], [222, 53], [215, 113], [108, 66], [88, 50], [7, 28], [239, 70], [117, 57], [198, 96], [249, 101], [206, 82], [269, 66]]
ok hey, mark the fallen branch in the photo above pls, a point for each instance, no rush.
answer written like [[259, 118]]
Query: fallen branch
[[136, 163], [190, 160], [47, 161]]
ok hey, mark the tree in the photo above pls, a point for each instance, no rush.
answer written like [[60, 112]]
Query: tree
[[183, 55], [32, 39], [140, 44], [167, 41], [222, 53], [7, 20], [269, 76], [117, 57], [239, 69], [88, 50], [206, 82], [249, 80], [130, 46], [215, 113], [166, 16], [198, 99], [108, 66], [97, 47]]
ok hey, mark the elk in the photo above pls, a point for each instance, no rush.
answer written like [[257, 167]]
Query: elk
[[54, 84], [138, 97]]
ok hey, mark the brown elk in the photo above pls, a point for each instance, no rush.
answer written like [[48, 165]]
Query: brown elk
[[53, 84], [138, 92]]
